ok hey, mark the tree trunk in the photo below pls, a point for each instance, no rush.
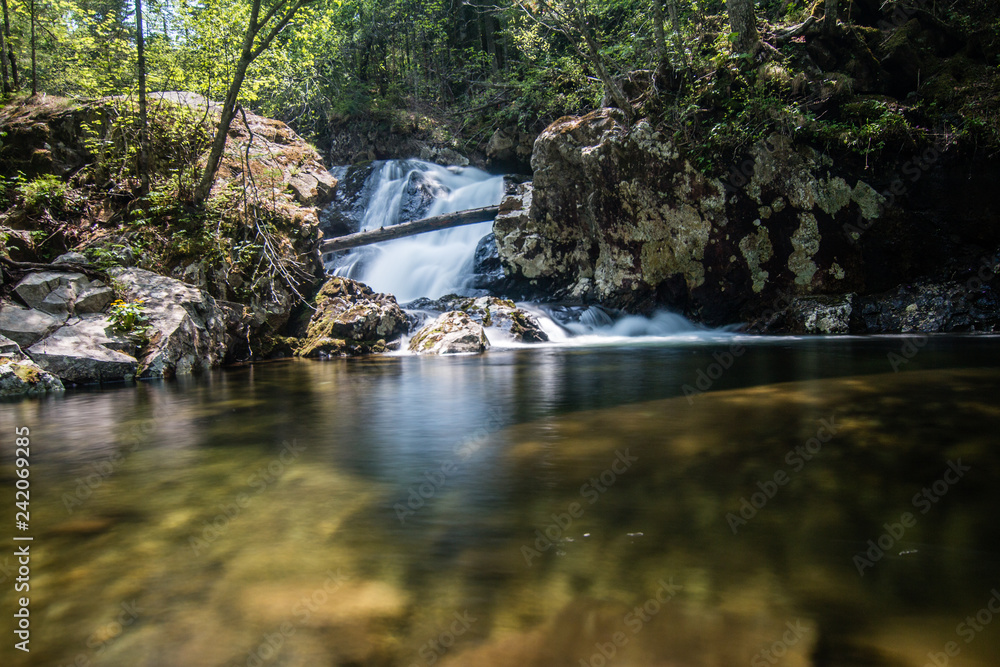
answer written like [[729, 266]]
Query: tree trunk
[[9, 53], [614, 90], [743, 22], [5, 83], [675, 21], [282, 12], [34, 71], [143, 124], [658, 39], [222, 132], [830, 17]]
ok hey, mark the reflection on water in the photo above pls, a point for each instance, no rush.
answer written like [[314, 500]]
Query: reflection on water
[[555, 507]]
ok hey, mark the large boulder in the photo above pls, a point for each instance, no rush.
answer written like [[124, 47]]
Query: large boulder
[[352, 319], [454, 332], [617, 215], [59, 292], [25, 326], [86, 351], [188, 329], [26, 378]]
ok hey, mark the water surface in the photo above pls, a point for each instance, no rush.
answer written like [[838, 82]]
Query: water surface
[[527, 507]]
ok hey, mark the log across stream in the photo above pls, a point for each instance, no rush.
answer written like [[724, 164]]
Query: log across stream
[[435, 223]]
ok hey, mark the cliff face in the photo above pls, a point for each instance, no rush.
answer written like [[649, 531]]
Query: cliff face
[[789, 240]]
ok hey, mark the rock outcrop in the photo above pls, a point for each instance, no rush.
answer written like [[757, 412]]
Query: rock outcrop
[[454, 332], [189, 330], [185, 330], [351, 319], [616, 215]]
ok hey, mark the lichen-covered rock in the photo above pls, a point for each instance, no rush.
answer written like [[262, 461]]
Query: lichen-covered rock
[[189, 330], [819, 315], [616, 215], [26, 378], [454, 332], [352, 319], [931, 307]]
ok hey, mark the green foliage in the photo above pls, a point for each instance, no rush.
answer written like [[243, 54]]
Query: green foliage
[[128, 316], [44, 192]]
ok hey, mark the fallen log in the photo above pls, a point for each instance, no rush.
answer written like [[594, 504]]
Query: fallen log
[[433, 224]]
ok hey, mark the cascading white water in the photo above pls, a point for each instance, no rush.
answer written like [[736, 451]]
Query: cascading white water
[[426, 265], [438, 263]]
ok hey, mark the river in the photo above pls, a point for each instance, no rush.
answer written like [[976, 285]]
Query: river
[[552, 506]]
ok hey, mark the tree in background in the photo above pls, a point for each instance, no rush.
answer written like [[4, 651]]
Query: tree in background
[[743, 22], [260, 32]]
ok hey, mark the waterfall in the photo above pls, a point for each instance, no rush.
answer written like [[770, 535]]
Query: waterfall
[[438, 263], [426, 265]]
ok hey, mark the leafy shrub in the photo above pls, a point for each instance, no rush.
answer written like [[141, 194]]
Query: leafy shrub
[[128, 316]]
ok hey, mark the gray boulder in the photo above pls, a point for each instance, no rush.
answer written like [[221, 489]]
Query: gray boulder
[[188, 329], [451, 333], [25, 326], [85, 351], [25, 378], [59, 293]]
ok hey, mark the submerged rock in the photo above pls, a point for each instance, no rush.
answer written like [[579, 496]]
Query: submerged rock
[[453, 332], [352, 319]]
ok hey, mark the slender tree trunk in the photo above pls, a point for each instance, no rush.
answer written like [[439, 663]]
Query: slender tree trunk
[[34, 70], [675, 22], [743, 22], [8, 54], [830, 17], [281, 13], [658, 39], [594, 54], [3, 64], [143, 124], [219, 144]]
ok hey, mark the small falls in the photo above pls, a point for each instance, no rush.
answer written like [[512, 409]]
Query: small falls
[[426, 265], [432, 265]]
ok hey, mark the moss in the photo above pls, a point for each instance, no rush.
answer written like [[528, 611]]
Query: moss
[[28, 374]]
